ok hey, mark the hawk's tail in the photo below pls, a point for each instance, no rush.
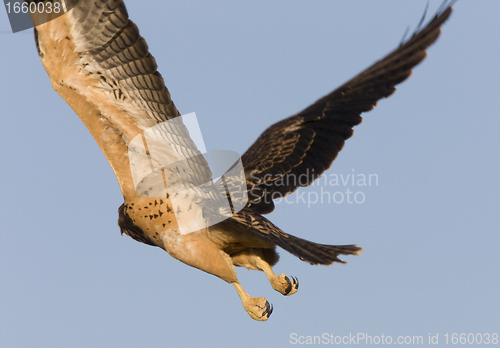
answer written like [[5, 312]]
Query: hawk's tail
[[314, 253]]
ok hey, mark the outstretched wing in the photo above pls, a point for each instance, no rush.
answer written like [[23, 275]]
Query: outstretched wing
[[296, 151], [99, 63]]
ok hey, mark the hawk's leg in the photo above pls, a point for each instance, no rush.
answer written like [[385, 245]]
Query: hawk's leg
[[261, 260], [257, 307], [280, 283], [197, 250]]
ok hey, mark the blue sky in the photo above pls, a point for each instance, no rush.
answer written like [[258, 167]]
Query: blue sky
[[429, 227]]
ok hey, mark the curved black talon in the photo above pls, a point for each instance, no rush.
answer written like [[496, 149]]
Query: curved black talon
[[268, 311], [289, 287], [292, 285]]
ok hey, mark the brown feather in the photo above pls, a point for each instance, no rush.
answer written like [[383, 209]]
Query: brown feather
[[315, 136]]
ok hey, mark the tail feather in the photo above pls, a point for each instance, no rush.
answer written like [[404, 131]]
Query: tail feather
[[314, 253]]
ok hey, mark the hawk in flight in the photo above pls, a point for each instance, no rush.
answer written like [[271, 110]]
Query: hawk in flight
[[100, 65]]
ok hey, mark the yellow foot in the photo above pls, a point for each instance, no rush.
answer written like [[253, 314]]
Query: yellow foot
[[257, 307], [284, 285], [281, 283]]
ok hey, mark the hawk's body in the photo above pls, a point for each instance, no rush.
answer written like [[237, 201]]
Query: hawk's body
[[100, 65]]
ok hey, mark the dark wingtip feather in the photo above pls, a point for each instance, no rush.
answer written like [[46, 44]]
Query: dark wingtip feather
[[441, 15]]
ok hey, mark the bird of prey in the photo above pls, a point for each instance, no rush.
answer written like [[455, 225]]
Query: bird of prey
[[100, 65]]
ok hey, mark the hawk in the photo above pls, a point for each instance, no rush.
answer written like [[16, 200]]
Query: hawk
[[100, 65]]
